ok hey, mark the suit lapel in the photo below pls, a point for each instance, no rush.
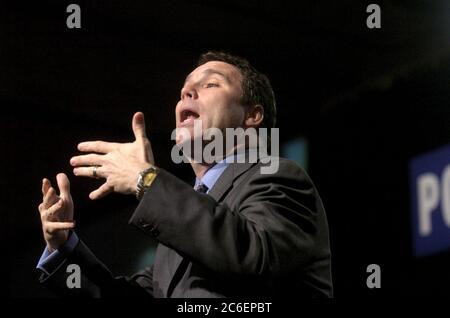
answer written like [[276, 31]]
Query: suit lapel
[[224, 183]]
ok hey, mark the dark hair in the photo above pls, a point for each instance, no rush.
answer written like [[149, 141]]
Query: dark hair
[[256, 86]]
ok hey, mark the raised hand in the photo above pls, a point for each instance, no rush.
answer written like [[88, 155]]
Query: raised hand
[[56, 212], [118, 163]]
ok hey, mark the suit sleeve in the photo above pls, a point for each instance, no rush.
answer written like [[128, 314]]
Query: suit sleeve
[[274, 228], [95, 279]]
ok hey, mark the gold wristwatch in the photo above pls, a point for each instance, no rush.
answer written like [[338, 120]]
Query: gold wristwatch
[[145, 180]]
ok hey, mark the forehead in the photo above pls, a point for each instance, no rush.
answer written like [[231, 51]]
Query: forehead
[[218, 67]]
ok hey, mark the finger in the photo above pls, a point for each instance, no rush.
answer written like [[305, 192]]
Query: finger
[[63, 185], [89, 172], [138, 125], [51, 227], [97, 146], [87, 160], [49, 213], [45, 186], [50, 198], [101, 192]]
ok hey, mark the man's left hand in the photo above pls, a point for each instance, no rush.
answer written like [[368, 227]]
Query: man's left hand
[[118, 163]]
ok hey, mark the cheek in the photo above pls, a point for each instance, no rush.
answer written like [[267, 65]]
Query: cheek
[[224, 113], [236, 115]]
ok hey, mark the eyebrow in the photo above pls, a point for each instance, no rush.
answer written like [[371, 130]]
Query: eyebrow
[[210, 71]]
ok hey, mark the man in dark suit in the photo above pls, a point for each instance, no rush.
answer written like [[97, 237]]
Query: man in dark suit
[[239, 232]]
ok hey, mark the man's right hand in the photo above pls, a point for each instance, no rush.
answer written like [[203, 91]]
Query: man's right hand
[[56, 212]]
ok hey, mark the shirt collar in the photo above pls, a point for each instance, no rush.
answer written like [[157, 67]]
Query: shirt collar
[[213, 174]]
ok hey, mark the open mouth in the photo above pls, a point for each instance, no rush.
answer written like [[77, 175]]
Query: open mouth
[[187, 117]]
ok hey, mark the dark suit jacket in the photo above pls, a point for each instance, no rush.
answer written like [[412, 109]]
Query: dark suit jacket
[[253, 234]]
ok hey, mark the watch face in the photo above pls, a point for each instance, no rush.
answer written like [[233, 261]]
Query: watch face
[[148, 178]]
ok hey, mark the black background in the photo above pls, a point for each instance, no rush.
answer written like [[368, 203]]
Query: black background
[[367, 100]]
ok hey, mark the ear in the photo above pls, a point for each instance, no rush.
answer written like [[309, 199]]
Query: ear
[[254, 117]]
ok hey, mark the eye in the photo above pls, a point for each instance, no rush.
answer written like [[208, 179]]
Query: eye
[[209, 85]]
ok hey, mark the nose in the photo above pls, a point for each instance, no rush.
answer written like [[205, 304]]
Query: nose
[[189, 92]]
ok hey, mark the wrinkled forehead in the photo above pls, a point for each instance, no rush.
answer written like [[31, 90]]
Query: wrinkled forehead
[[227, 71]]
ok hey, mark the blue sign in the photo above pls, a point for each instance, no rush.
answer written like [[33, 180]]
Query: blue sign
[[430, 189]]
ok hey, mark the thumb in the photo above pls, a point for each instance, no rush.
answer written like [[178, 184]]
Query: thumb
[[139, 126], [63, 185]]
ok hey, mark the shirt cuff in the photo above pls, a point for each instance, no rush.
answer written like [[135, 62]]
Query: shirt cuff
[[51, 261]]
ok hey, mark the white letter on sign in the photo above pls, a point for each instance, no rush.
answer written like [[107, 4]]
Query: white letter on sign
[[428, 195]]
